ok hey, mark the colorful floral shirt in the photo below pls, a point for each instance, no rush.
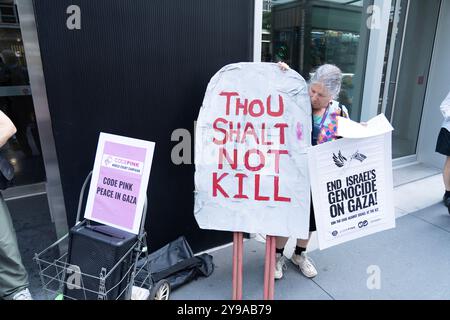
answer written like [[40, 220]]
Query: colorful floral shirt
[[326, 129]]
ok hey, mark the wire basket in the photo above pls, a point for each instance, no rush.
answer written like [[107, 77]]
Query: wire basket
[[60, 279]]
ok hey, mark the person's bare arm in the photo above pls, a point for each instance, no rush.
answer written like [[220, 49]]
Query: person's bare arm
[[7, 129]]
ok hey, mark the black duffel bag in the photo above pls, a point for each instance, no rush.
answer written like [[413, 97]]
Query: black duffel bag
[[176, 263]]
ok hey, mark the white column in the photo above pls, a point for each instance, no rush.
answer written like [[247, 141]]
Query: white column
[[257, 34], [378, 23]]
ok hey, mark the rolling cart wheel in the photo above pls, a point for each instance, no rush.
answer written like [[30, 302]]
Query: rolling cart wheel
[[160, 291]]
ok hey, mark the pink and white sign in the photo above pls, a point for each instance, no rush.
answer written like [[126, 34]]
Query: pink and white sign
[[119, 182]]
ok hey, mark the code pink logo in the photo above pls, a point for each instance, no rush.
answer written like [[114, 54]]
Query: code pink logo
[[123, 164]]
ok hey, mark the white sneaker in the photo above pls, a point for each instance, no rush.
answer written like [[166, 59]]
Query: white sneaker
[[305, 264], [23, 295], [280, 265]]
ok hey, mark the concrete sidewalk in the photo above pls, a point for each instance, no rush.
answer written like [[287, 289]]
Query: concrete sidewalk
[[413, 259]]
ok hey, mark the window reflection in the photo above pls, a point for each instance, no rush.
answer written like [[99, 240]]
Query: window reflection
[[23, 149], [307, 34]]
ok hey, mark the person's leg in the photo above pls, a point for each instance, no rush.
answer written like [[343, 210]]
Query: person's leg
[[446, 176], [302, 244], [443, 147], [280, 265], [299, 257], [13, 276], [280, 243]]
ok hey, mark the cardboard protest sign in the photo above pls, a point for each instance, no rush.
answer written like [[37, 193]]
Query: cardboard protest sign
[[252, 134], [351, 182], [119, 182]]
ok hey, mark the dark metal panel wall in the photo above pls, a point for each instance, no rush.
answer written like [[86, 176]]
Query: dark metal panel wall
[[138, 68]]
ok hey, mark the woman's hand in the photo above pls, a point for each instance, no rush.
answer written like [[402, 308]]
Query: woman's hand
[[283, 66]]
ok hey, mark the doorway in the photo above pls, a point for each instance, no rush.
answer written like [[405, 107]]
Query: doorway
[[407, 74], [23, 150], [27, 199]]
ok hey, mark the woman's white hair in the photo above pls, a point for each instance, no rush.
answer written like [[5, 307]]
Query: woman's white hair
[[330, 77]]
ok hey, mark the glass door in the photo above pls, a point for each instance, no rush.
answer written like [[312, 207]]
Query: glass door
[[410, 61], [307, 34], [24, 149]]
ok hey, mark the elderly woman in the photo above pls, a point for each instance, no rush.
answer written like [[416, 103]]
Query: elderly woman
[[324, 87]]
